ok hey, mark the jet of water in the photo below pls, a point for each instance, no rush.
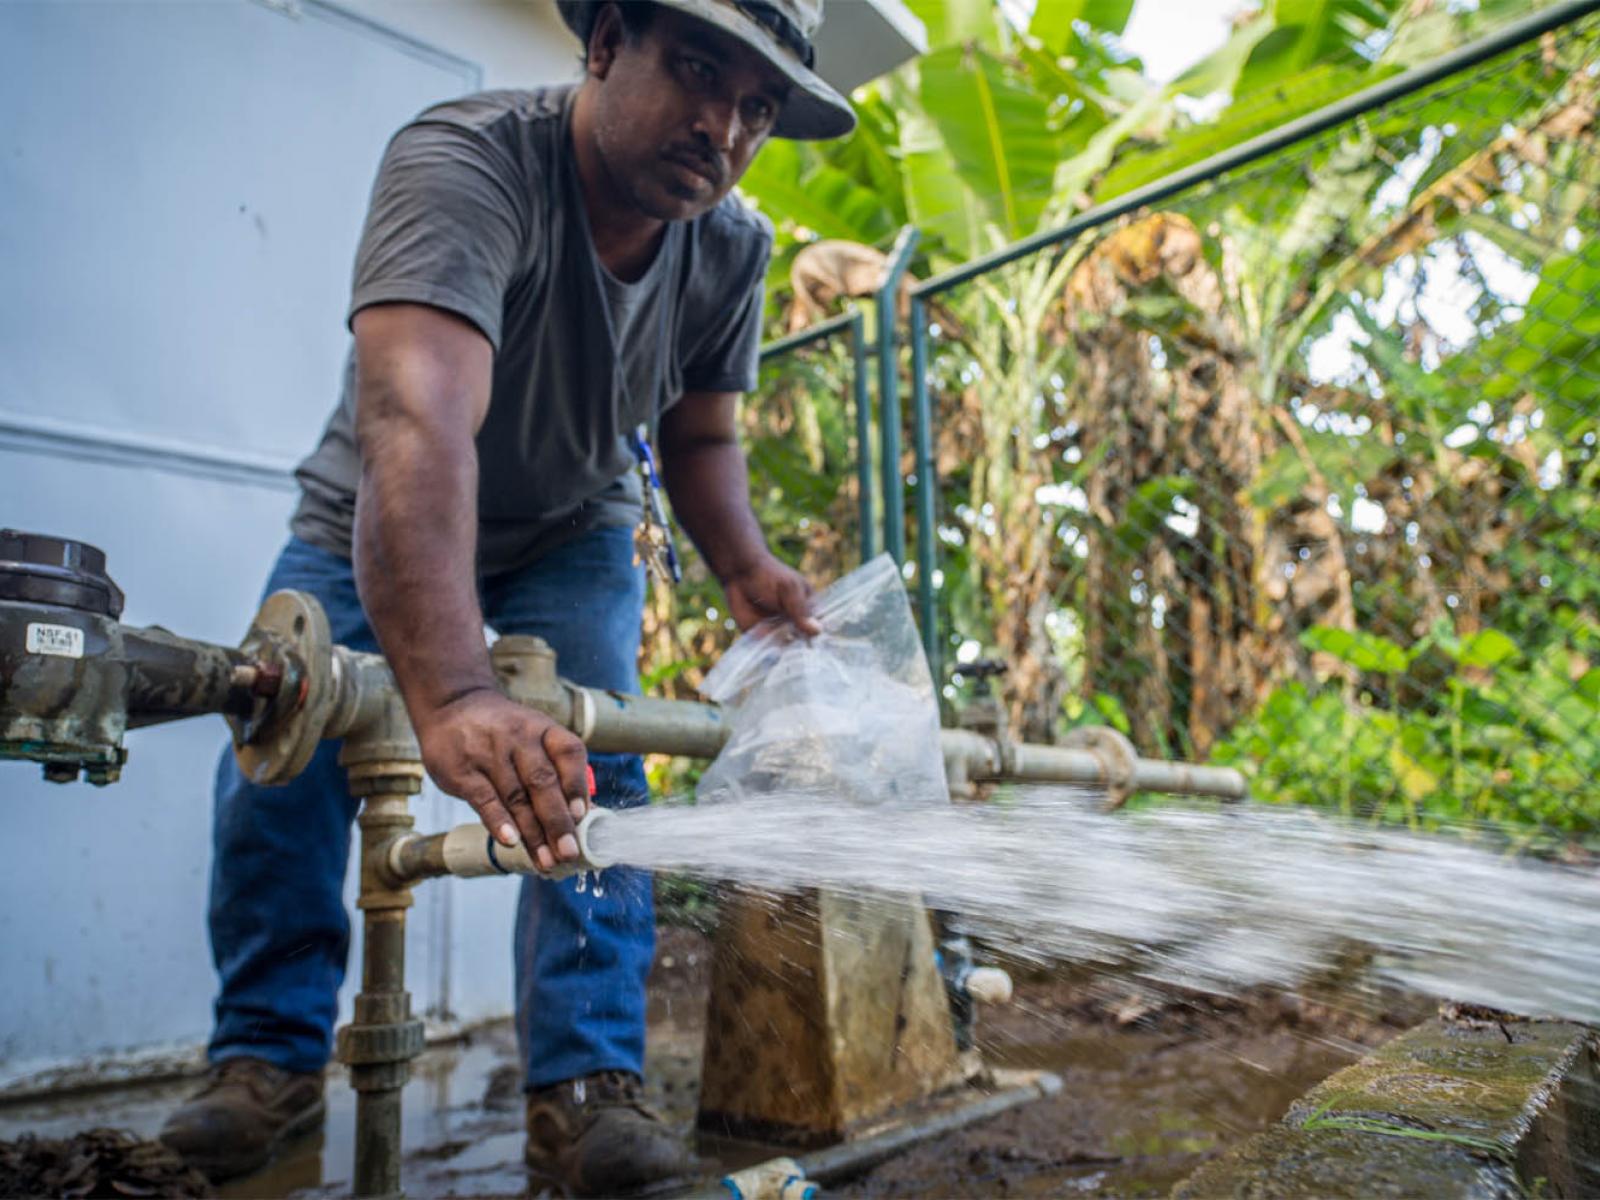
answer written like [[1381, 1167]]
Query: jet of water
[[1215, 898]]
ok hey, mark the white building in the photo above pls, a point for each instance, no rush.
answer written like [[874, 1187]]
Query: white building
[[181, 187]]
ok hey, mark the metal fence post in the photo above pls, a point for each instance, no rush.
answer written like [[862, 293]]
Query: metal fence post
[[863, 403], [894, 513], [853, 322], [927, 486]]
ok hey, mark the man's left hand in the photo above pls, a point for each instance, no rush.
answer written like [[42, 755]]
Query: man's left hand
[[768, 588]]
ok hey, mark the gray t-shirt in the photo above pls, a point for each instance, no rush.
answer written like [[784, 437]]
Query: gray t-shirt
[[477, 210]]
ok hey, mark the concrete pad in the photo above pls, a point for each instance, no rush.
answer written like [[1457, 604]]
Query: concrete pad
[[1456, 1107]]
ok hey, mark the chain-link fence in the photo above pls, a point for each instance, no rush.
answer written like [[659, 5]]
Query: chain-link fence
[[1296, 469]]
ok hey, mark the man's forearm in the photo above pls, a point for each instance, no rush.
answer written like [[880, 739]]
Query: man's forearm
[[415, 544], [708, 483], [423, 388]]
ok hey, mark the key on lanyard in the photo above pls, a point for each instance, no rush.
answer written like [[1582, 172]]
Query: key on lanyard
[[652, 540]]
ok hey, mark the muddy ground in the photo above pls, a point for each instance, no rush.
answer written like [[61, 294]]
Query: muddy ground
[[1154, 1084]]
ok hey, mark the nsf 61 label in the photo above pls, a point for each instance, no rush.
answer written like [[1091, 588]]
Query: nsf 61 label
[[61, 641]]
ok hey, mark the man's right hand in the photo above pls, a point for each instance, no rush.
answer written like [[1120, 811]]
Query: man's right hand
[[526, 776]]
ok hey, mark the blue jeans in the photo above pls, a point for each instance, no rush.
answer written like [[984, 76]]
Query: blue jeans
[[280, 934]]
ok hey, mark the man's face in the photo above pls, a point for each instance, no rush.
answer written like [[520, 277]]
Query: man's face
[[680, 112]]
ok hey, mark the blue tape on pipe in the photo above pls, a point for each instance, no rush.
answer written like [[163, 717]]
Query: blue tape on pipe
[[493, 861]]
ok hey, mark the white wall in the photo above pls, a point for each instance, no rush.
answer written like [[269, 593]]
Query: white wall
[[518, 43], [181, 188]]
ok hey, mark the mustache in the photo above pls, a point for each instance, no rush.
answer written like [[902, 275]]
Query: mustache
[[705, 161]]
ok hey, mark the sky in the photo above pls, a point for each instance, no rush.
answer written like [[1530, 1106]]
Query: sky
[[1170, 35]]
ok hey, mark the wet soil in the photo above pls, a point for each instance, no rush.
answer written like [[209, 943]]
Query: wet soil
[[1154, 1084]]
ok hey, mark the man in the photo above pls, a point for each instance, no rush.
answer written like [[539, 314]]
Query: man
[[540, 275]]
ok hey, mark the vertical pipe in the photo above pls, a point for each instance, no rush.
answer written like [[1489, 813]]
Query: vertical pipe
[[383, 1037], [863, 402], [894, 513], [379, 1086], [378, 1154], [927, 489]]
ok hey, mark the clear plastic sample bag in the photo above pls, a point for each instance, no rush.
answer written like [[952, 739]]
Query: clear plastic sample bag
[[848, 716]]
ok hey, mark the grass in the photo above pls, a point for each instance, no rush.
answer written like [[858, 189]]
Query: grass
[[1320, 1120]]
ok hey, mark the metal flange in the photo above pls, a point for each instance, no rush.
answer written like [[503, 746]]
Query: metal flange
[[291, 632], [1116, 755]]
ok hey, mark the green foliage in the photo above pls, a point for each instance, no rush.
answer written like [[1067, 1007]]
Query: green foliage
[[824, 198], [996, 130], [952, 22], [1362, 650], [1147, 512], [1498, 737], [1309, 33], [1560, 338], [1053, 23], [1485, 440]]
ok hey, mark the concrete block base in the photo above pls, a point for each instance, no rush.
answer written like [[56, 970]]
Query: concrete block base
[[1460, 1106]]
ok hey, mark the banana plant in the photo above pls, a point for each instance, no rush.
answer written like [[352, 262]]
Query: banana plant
[[1001, 131]]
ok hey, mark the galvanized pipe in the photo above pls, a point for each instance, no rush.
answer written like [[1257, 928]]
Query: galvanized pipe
[[1062, 764], [384, 764], [853, 1157], [856, 1156], [378, 1140], [382, 1037], [616, 723], [379, 1086], [172, 677]]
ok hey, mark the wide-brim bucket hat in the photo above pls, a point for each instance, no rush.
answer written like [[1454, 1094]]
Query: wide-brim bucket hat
[[778, 30]]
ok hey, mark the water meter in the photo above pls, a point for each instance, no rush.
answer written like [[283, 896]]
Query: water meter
[[62, 674], [74, 679]]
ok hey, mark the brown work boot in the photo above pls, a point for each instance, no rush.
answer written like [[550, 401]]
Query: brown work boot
[[595, 1136], [244, 1112]]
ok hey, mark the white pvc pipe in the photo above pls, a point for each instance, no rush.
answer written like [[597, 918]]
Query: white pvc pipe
[[470, 851]]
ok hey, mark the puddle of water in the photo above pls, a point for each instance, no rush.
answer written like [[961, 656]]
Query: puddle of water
[[456, 1145]]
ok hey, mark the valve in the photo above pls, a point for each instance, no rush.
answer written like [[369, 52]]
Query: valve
[[984, 713]]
